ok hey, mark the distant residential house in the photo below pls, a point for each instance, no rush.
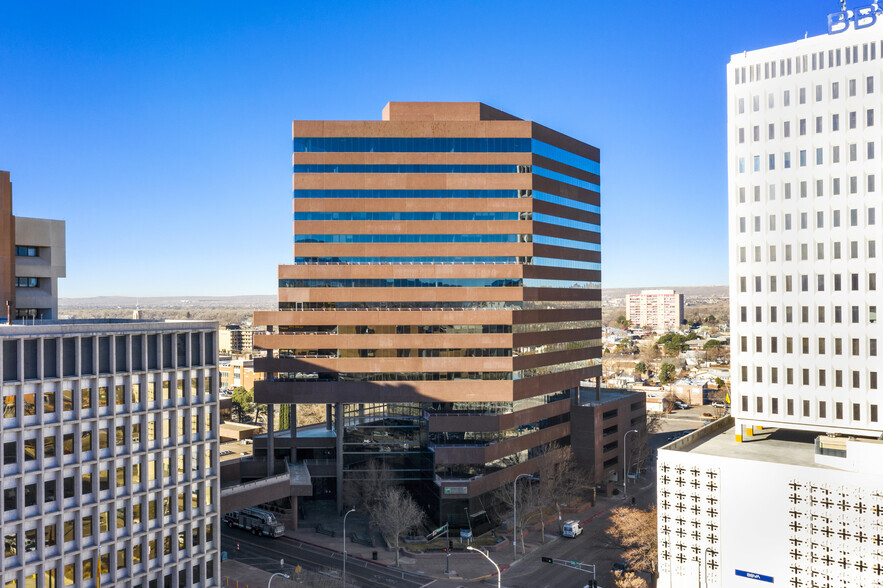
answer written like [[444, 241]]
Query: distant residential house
[[691, 391]]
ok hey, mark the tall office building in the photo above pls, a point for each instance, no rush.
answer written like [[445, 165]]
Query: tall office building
[[789, 490], [110, 454], [655, 309], [444, 298]]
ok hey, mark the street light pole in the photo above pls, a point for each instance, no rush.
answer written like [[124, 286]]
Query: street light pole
[[470, 548], [515, 516], [625, 460], [344, 543], [274, 575]]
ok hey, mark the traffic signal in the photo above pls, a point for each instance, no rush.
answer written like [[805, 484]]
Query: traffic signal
[[547, 560], [451, 545], [593, 584]]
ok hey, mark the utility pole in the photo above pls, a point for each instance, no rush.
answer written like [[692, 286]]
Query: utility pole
[[625, 463], [448, 548]]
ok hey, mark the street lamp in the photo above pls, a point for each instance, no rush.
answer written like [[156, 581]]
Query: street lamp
[[286, 576], [515, 516], [625, 459], [470, 548], [344, 543]]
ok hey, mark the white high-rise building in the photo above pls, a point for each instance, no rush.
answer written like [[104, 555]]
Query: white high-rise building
[[789, 490], [805, 198], [655, 309]]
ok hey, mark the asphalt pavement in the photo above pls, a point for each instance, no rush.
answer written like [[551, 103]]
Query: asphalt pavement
[[321, 554]]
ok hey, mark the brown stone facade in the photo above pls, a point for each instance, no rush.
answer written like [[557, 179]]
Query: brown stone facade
[[441, 288], [7, 249]]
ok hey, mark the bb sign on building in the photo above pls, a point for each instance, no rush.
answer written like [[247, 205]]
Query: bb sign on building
[[861, 18]]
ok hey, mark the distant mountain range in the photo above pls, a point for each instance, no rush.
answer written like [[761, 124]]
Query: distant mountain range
[[258, 302]]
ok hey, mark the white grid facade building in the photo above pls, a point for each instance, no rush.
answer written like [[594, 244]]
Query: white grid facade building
[[805, 134], [109, 454]]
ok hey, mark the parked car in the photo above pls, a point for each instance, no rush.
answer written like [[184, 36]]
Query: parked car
[[620, 566], [681, 404], [718, 404], [572, 529]]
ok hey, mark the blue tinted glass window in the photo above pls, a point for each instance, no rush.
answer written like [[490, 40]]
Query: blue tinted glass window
[[566, 157], [565, 222], [553, 175], [568, 263], [404, 168], [546, 240], [404, 216], [435, 283], [410, 193], [555, 199], [403, 260], [410, 145], [343, 238]]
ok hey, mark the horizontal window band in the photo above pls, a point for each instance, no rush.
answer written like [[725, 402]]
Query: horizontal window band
[[411, 216], [411, 193], [409, 168]]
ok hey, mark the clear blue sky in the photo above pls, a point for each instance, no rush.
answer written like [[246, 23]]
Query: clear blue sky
[[161, 131]]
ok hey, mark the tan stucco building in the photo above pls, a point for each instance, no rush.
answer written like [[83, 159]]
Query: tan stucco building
[[32, 258]]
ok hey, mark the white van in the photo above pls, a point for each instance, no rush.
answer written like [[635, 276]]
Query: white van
[[572, 529]]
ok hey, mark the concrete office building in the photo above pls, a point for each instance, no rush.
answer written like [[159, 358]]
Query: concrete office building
[[789, 490], [32, 258], [655, 309], [110, 454], [444, 299]]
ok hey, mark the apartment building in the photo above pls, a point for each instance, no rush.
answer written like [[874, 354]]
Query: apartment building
[[444, 300], [237, 373], [655, 309], [110, 454], [32, 258], [788, 491], [237, 340]]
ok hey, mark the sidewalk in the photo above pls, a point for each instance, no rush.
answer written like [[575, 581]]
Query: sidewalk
[[464, 566]]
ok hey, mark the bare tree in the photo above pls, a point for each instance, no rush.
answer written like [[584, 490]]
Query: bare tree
[[528, 504], [364, 486], [628, 580], [397, 513], [635, 530], [668, 402], [562, 479]]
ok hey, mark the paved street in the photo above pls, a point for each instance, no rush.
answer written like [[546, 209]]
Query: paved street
[[321, 553], [265, 553]]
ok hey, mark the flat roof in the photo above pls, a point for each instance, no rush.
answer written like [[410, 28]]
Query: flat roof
[[240, 426], [65, 326], [783, 446], [234, 450], [587, 395]]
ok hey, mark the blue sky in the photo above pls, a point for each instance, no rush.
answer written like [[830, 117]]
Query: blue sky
[[161, 131]]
